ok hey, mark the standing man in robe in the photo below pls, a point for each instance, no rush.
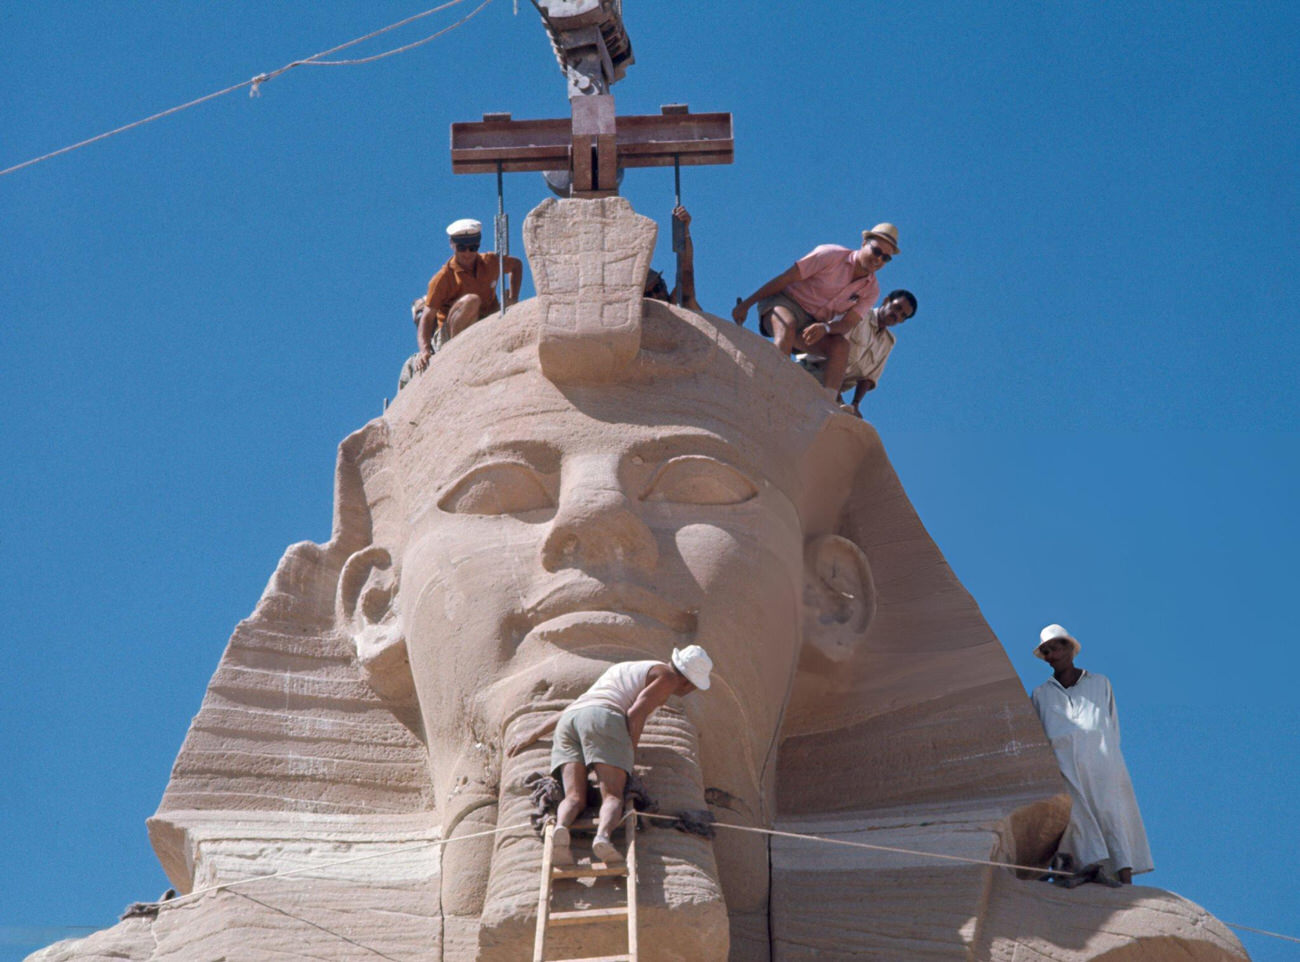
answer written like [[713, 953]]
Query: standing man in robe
[[1077, 709]]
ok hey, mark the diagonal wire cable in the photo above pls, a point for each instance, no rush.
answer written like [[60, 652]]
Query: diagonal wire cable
[[315, 925], [255, 82]]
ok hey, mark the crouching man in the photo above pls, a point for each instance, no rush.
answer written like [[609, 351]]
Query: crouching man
[[800, 307], [600, 731]]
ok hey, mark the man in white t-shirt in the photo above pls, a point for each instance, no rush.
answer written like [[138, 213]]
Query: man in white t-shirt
[[600, 730]]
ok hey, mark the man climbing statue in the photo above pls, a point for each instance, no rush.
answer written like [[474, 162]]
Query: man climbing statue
[[600, 730], [1077, 709]]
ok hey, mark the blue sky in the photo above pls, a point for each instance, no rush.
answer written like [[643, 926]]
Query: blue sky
[[1094, 411]]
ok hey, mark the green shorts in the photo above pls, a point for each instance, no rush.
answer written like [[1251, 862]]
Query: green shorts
[[801, 317], [590, 734]]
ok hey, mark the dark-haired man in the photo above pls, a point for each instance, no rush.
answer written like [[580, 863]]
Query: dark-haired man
[[463, 291], [871, 341], [821, 298]]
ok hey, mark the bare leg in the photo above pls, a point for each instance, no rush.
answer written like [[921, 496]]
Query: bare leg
[[574, 776], [783, 328], [463, 313], [836, 347], [611, 780]]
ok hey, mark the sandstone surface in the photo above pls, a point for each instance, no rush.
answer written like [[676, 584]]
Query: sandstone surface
[[593, 477]]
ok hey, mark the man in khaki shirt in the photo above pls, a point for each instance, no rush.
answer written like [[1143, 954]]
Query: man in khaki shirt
[[870, 342], [463, 290]]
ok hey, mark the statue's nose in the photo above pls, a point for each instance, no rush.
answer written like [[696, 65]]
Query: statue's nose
[[597, 524]]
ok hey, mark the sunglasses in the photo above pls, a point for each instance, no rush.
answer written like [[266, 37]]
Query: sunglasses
[[467, 247], [875, 249]]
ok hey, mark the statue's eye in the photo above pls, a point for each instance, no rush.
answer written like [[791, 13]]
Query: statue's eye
[[501, 487], [695, 479]]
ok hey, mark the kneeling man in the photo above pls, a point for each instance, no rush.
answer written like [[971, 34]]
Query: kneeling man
[[800, 307], [601, 730]]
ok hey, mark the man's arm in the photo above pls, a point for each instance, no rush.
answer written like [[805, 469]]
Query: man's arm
[[654, 695], [841, 325], [685, 263], [435, 300], [424, 337], [515, 268], [774, 286], [517, 746]]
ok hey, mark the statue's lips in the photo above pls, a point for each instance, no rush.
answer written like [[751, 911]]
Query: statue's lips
[[585, 602]]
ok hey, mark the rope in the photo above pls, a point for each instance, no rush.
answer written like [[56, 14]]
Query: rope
[[1275, 935], [910, 851], [868, 845], [435, 843], [255, 83]]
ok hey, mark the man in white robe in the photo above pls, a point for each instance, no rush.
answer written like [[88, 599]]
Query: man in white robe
[[1077, 709]]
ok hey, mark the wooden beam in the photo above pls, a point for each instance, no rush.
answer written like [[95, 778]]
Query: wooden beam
[[651, 140]]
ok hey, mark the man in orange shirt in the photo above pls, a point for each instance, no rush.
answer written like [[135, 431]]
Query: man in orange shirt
[[463, 290]]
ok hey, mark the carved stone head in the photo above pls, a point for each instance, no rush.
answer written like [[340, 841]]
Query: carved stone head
[[596, 477]]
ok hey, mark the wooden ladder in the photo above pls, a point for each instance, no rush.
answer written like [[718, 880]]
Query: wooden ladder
[[587, 868]]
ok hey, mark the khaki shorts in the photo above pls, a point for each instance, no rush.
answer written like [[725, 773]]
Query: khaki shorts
[[590, 734], [801, 317]]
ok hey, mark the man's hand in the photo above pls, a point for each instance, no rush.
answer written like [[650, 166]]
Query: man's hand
[[679, 213], [815, 332], [739, 311], [521, 742], [422, 359]]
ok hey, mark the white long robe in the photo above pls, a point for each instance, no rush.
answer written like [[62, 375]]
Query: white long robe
[[1081, 724]]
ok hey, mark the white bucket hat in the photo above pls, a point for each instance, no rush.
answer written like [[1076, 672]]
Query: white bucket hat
[[694, 662], [1051, 633]]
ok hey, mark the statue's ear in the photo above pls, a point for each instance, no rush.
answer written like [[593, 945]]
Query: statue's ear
[[367, 607], [838, 594]]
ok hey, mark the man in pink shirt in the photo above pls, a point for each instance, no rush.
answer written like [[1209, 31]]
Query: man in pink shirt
[[798, 308]]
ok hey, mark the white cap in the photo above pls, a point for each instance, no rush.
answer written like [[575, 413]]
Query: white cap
[[1051, 633], [694, 662], [463, 226]]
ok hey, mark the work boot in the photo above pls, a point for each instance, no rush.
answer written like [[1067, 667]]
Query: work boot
[[603, 849], [561, 854]]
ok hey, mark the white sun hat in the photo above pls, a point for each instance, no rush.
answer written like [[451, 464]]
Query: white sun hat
[[694, 662], [464, 226], [1051, 633]]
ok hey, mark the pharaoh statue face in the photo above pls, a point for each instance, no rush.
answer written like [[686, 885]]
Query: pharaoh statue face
[[546, 517]]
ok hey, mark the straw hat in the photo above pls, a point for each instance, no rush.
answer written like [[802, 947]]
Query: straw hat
[[1051, 633], [694, 662], [885, 233]]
